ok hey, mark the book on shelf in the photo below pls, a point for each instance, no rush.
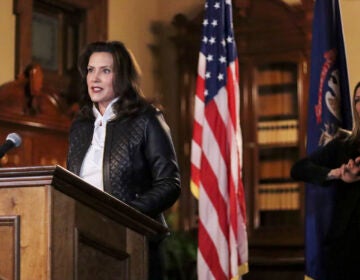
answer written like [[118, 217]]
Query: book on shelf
[[275, 168], [279, 131], [277, 104], [282, 196], [275, 76]]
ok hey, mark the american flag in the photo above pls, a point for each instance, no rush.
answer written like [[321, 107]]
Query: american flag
[[216, 151]]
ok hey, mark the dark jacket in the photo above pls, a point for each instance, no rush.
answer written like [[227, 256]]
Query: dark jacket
[[314, 169], [139, 164], [334, 221]]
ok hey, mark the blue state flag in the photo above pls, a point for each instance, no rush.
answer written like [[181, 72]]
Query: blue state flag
[[329, 109]]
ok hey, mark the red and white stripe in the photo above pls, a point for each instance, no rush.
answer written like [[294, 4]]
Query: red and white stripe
[[216, 180]]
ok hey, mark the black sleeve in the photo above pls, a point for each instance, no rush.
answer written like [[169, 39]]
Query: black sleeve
[[160, 154], [315, 167]]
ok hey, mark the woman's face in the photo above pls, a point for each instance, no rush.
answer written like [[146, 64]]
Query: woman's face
[[100, 79], [357, 101]]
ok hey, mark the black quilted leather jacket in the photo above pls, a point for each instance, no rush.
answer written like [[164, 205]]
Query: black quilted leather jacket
[[139, 166]]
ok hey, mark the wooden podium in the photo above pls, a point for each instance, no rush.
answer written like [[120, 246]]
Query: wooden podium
[[54, 226]]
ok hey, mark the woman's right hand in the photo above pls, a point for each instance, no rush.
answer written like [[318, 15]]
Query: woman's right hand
[[349, 172]]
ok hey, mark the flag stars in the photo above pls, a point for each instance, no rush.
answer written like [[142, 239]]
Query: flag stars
[[214, 23], [229, 39], [207, 75], [212, 40], [210, 57], [220, 77], [223, 42], [205, 22], [205, 39], [222, 59], [217, 5]]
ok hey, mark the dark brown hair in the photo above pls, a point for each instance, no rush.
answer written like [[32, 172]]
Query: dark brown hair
[[126, 79]]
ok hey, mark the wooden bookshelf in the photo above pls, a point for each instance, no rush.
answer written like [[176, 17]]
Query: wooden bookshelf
[[279, 196], [277, 132]]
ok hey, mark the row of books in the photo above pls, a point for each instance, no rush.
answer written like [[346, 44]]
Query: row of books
[[275, 168], [271, 76], [281, 131], [276, 104], [284, 196]]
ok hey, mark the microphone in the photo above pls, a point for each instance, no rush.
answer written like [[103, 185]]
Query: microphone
[[12, 140]]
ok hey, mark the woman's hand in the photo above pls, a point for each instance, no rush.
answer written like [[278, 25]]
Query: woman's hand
[[349, 172]]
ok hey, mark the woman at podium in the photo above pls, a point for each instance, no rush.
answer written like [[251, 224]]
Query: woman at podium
[[120, 142]]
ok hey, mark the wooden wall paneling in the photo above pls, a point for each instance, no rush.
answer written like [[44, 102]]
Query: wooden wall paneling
[[187, 42], [37, 117], [39, 146], [40, 103], [95, 29], [76, 23]]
